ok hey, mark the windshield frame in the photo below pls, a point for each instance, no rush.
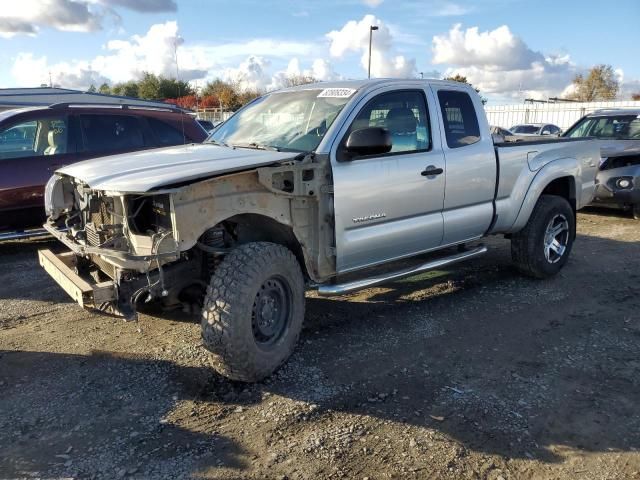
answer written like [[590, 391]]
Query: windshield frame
[[587, 118], [334, 115]]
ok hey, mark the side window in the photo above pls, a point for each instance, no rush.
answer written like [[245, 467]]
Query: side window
[[44, 136], [404, 114], [460, 121], [104, 133], [166, 133]]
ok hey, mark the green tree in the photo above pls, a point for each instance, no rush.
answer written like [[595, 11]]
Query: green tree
[[149, 86], [599, 84], [92, 88], [127, 89], [104, 89], [223, 91]]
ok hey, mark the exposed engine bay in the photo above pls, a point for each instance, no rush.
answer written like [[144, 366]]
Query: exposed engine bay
[[165, 244]]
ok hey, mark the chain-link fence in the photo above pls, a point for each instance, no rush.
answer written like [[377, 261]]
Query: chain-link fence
[[561, 114]]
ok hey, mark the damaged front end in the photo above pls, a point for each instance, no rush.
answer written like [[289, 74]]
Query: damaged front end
[[121, 245]]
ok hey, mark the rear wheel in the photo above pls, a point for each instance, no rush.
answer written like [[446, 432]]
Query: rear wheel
[[253, 311], [543, 246]]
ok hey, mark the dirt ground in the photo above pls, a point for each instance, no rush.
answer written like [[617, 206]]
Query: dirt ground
[[474, 372]]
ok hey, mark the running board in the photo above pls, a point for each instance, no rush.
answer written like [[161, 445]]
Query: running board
[[342, 288]]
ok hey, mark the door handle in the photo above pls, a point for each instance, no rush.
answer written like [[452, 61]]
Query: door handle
[[431, 171]]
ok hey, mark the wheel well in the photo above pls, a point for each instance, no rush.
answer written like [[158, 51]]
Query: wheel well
[[564, 187], [250, 227]]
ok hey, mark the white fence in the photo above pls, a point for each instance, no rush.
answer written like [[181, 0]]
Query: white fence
[[213, 114], [561, 114]]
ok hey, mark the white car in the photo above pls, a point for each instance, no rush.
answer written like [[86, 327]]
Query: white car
[[536, 129]]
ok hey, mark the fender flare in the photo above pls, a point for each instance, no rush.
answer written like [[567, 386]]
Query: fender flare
[[561, 168]]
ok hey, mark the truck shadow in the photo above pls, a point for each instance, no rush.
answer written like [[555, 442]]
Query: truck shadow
[[499, 363], [103, 415]]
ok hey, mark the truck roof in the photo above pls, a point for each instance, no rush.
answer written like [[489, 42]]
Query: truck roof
[[605, 112], [374, 82]]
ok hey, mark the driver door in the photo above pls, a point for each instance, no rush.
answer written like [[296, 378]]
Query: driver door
[[386, 205]]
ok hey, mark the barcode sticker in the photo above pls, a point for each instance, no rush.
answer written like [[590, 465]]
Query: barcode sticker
[[336, 93]]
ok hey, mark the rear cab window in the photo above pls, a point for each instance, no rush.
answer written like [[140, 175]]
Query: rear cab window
[[459, 117]]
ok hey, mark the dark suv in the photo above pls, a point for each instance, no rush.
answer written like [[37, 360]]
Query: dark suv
[[34, 142]]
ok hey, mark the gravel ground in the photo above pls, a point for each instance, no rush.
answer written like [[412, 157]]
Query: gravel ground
[[470, 373]]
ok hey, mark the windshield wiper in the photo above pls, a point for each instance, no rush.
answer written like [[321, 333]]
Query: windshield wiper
[[216, 142], [256, 146]]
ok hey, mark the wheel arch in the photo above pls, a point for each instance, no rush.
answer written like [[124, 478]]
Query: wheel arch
[[556, 178], [255, 227]]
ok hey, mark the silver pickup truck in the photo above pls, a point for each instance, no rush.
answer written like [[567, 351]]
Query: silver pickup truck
[[310, 188]]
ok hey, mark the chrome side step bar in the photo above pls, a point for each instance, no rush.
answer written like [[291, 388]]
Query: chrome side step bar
[[342, 288]]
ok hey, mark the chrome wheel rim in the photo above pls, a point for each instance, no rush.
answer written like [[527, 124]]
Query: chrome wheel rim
[[556, 238]]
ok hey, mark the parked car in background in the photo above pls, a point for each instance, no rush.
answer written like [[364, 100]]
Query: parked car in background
[[618, 134], [500, 134], [34, 142], [206, 124], [536, 129], [503, 132]]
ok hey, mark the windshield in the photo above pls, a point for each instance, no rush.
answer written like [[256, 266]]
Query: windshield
[[620, 127], [290, 121], [525, 129]]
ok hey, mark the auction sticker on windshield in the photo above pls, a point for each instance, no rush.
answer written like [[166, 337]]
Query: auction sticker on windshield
[[336, 93]]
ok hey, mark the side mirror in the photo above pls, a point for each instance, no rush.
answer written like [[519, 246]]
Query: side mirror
[[369, 141]]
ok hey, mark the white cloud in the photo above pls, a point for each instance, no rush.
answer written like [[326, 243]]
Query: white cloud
[[372, 3], [497, 48], [353, 37], [28, 16], [450, 10], [500, 63]]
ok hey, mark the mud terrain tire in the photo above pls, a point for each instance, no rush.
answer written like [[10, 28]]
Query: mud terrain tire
[[253, 311], [533, 250]]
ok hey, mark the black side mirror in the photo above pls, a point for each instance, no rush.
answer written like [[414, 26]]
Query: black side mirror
[[368, 141]]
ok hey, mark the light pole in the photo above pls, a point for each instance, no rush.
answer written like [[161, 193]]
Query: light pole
[[371, 29]]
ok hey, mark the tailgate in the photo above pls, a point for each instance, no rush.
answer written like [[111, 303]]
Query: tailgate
[[62, 268]]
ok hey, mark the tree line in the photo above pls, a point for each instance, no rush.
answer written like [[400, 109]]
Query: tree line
[[599, 84], [215, 94]]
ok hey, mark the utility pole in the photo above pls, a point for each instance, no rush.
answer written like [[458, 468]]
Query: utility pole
[[371, 29]]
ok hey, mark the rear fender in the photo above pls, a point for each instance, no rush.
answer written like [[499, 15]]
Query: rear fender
[[564, 167]]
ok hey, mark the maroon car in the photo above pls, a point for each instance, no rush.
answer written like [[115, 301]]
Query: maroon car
[[34, 142]]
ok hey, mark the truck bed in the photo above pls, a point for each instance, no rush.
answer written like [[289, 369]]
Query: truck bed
[[514, 181]]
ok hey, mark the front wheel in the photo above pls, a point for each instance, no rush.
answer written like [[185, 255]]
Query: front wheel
[[543, 246], [253, 311]]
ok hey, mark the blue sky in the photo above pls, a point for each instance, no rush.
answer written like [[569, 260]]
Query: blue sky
[[510, 49]]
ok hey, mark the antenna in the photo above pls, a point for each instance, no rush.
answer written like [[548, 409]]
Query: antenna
[[175, 54]]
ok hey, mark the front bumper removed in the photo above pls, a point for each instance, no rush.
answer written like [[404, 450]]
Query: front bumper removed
[[63, 269]]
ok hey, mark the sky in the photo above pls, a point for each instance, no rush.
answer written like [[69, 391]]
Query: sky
[[509, 49]]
